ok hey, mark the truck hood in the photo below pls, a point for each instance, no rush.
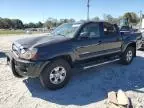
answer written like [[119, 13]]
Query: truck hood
[[40, 40]]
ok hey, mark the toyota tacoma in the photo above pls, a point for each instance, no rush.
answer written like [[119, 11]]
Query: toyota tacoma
[[70, 45]]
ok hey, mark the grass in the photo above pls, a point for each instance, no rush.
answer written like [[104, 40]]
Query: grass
[[7, 32]]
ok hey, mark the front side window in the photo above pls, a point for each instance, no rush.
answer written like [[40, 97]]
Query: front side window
[[91, 30]]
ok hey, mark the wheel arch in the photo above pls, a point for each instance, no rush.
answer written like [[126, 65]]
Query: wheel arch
[[131, 44], [67, 58]]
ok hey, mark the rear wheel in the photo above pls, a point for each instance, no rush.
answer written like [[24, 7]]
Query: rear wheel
[[55, 75], [128, 55]]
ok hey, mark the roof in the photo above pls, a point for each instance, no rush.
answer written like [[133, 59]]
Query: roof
[[83, 22]]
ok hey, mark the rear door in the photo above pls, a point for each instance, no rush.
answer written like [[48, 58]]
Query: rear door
[[89, 45], [112, 40]]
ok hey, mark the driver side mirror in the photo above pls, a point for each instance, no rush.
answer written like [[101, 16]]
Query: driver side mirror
[[84, 35]]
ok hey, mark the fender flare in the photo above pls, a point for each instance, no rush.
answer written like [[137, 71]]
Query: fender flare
[[133, 44]]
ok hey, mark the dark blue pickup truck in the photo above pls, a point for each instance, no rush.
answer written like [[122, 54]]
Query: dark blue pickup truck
[[85, 45]]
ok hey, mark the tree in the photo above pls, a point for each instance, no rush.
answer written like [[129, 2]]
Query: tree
[[109, 18], [95, 19], [1, 23], [7, 24], [50, 23], [39, 24], [63, 21], [82, 20], [71, 20], [66, 21], [31, 25], [17, 24], [132, 18]]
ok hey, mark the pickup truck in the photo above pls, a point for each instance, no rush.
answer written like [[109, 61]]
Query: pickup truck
[[83, 45]]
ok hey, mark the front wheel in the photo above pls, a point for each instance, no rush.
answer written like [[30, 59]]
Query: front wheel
[[55, 75], [128, 55]]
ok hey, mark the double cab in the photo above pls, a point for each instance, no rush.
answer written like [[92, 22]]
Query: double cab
[[87, 44]]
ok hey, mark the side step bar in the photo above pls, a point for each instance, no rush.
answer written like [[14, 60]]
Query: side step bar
[[95, 65]]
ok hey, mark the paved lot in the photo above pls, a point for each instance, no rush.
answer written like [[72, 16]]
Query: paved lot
[[87, 88]]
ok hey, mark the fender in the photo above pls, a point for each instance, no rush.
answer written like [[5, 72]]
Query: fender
[[125, 45], [57, 50]]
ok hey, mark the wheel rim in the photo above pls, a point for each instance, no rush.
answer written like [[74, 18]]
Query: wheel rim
[[129, 56], [57, 75]]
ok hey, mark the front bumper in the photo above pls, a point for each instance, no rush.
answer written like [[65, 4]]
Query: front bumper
[[24, 67]]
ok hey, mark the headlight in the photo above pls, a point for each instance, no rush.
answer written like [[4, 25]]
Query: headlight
[[28, 54]]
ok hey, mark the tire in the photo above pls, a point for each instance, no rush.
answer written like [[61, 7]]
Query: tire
[[124, 58], [54, 72]]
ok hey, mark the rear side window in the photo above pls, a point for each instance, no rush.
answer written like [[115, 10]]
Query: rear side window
[[92, 30], [109, 30]]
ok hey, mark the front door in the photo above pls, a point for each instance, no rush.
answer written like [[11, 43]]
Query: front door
[[89, 42]]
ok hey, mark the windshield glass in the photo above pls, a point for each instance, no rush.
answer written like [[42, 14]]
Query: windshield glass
[[67, 30]]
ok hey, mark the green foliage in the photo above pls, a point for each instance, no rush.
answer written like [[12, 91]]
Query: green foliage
[[17, 24], [6, 23], [95, 19], [132, 18], [51, 22], [111, 19], [39, 24], [33, 25]]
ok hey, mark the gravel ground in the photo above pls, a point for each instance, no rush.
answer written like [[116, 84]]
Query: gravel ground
[[87, 88]]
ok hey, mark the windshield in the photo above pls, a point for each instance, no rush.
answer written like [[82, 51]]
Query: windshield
[[67, 30]]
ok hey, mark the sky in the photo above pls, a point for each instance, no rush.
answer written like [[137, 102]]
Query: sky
[[40, 10]]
